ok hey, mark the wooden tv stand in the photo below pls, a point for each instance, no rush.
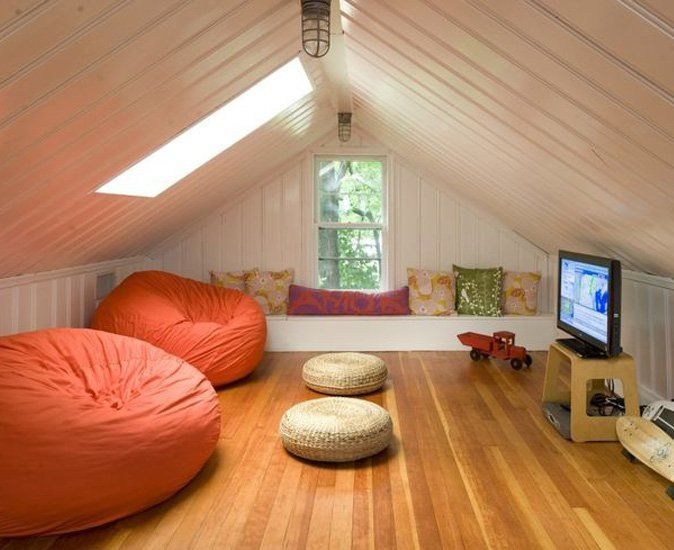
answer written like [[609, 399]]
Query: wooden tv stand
[[587, 378]]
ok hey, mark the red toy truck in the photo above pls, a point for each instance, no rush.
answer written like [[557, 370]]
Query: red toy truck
[[501, 346]]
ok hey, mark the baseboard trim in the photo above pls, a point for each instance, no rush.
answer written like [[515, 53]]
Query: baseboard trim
[[648, 396]]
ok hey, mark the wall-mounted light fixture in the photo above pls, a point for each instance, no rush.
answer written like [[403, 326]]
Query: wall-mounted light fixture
[[344, 126], [316, 27]]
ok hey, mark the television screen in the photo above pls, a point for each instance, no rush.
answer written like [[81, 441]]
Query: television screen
[[589, 303], [584, 298]]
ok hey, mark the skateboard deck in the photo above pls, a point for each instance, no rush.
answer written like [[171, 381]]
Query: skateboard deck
[[648, 443]]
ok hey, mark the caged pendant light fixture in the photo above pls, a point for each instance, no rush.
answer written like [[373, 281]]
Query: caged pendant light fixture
[[344, 126], [316, 27]]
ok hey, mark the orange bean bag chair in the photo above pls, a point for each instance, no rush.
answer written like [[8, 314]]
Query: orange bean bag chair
[[95, 426], [220, 331]]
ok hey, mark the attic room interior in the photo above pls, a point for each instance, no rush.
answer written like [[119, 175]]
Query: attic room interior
[[336, 274]]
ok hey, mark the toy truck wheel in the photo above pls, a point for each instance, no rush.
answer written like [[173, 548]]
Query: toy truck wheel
[[528, 360], [516, 363], [475, 355]]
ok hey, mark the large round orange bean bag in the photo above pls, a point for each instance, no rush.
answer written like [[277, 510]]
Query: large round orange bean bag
[[95, 426], [220, 331]]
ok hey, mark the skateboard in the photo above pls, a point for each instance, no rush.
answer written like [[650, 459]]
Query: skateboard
[[644, 441]]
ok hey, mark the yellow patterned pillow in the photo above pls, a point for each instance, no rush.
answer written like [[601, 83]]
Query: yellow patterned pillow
[[520, 292], [230, 279], [270, 289], [431, 292]]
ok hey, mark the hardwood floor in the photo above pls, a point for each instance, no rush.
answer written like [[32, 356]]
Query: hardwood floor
[[474, 464]]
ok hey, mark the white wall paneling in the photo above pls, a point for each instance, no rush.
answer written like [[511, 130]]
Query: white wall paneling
[[435, 229], [648, 332], [263, 228], [271, 227], [62, 298]]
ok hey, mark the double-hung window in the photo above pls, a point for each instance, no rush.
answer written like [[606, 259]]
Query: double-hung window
[[350, 222]]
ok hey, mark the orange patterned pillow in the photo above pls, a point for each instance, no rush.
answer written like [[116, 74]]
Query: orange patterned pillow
[[270, 289], [520, 292], [431, 292], [230, 279]]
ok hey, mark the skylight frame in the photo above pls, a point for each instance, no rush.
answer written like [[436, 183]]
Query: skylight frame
[[209, 137]]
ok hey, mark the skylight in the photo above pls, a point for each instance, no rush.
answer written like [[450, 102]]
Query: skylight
[[212, 135]]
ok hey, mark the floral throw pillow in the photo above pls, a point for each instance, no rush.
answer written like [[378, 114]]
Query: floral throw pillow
[[431, 292], [230, 279], [520, 292], [478, 291], [270, 289]]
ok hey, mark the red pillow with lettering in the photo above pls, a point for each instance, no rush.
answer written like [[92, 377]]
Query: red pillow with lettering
[[314, 301]]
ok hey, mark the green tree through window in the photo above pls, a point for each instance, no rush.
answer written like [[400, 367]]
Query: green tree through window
[[350, 222]]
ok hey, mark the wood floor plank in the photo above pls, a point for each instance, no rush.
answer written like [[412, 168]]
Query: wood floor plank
[[474, 464], [341, 527], [403, 509], [362, 531], [321, 514], [519, 499], [276, 524], [530, 481], [382, 508], [598, 535], [407, 390], [447, 432], [297, 531]]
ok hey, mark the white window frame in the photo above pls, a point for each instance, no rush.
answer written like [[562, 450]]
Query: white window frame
[[384, 281]]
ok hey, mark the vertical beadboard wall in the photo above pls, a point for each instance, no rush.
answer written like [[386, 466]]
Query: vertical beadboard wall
[[62, 298], [648, 331], [434, 230], [271, 227], [263, 228]]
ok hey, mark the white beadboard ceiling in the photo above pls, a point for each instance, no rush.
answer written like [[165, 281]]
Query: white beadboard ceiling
[[88, 87], [557, 116]]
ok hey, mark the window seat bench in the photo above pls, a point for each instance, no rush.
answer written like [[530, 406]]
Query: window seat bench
[[400, 333]]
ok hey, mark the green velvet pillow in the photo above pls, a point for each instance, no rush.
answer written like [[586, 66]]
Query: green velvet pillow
[[478, 291]]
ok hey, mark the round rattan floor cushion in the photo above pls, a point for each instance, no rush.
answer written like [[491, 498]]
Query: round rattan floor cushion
[[345, 373], [335, 429]]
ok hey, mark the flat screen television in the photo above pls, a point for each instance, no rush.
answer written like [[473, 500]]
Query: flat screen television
[[588, 304]]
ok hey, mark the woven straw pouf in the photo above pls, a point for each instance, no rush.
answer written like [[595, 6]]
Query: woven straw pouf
[[335, 429], [344, 373]]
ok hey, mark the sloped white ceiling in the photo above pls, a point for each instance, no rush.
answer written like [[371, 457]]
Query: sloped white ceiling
[[557, 116], [87, 88]]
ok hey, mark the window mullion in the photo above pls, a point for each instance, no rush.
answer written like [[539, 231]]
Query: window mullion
[[351, 258], [348, 225]]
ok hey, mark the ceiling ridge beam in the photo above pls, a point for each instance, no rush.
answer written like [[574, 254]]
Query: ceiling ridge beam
[[334, 64]]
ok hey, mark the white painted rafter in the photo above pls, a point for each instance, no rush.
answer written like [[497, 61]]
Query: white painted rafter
[[334, 63]]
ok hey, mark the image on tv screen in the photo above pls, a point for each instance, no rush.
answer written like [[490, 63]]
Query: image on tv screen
[[584, 298]]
